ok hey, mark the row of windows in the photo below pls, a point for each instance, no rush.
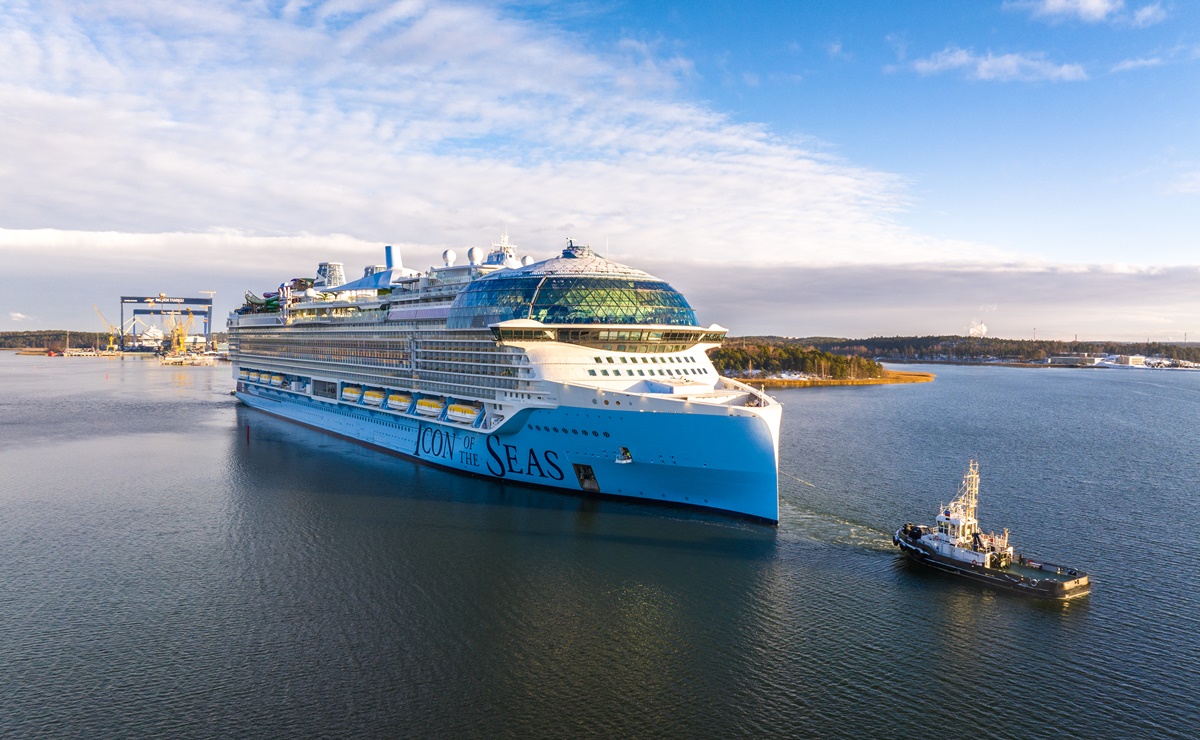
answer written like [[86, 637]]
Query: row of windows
[[564, 430], [635, 360], [660, 371]]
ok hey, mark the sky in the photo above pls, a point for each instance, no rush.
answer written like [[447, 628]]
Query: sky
[[898, 167]]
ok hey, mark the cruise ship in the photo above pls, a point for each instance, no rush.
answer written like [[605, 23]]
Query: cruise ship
[[574, 373]]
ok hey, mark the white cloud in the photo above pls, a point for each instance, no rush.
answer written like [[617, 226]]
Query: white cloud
[[1002, 67], [1130, 64], [1186, 184], [1092, 11], [16, 316], [1149, 15], [429, 123], [1089, 11]]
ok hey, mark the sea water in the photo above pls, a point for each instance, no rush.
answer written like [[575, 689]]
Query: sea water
[[173, 564]]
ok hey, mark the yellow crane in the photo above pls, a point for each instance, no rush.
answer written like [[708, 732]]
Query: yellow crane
[[112, 330], [177, 331]]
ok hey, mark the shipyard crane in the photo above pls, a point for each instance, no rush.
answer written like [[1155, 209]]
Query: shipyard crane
[[178, 331], [112, 330]]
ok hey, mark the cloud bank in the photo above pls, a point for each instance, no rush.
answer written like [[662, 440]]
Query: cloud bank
[[1057, 301], [435, 124]]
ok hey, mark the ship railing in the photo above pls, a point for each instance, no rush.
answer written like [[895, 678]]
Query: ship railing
[[757, 397]]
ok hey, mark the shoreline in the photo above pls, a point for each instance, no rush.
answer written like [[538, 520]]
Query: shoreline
[[890, 377]]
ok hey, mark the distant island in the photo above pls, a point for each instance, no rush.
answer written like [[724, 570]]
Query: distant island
[[960, 349], [778, 364]]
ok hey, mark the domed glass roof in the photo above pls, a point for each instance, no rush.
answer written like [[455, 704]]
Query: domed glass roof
[[576, 288]]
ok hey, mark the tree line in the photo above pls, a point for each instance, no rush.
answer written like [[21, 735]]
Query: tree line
[[976, 349], [741, 357], [55, 339]]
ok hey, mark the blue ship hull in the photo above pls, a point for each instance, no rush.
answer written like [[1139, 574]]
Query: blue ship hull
[[721, 462]]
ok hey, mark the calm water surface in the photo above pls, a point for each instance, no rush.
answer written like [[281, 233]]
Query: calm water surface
[[162, 575]]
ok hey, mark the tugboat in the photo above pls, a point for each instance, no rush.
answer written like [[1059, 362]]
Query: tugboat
[[957, 545]]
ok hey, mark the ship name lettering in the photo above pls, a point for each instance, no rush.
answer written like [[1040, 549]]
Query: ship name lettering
[[436, 443], [508, 460]]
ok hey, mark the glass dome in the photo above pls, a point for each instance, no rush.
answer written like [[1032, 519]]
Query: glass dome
[[577, 288]]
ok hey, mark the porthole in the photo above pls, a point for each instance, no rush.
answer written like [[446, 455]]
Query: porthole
[[565, 431], [575, 432], [606, 434], [606, 402], [595, 433], [556, 429]]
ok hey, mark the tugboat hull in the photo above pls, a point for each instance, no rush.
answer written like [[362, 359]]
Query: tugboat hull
[[1038, 580]]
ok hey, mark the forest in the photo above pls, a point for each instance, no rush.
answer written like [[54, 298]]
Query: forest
[[745, 357], [976, 349]]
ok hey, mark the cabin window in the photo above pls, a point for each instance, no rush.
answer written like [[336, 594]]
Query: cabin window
[[591, 372]]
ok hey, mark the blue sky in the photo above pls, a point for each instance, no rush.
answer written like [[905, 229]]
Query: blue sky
[[887, 167]]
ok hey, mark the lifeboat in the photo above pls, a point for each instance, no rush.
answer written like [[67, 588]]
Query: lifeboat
[[430, 406], [373, 397], [461, 412], [252, 376], [243, 374], [277, 380], [399, 401], [351, 393]]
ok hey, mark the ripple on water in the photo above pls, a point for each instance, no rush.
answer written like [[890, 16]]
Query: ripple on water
[[162, 576]]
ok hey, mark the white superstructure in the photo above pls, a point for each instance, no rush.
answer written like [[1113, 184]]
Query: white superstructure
[[575, 372]]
